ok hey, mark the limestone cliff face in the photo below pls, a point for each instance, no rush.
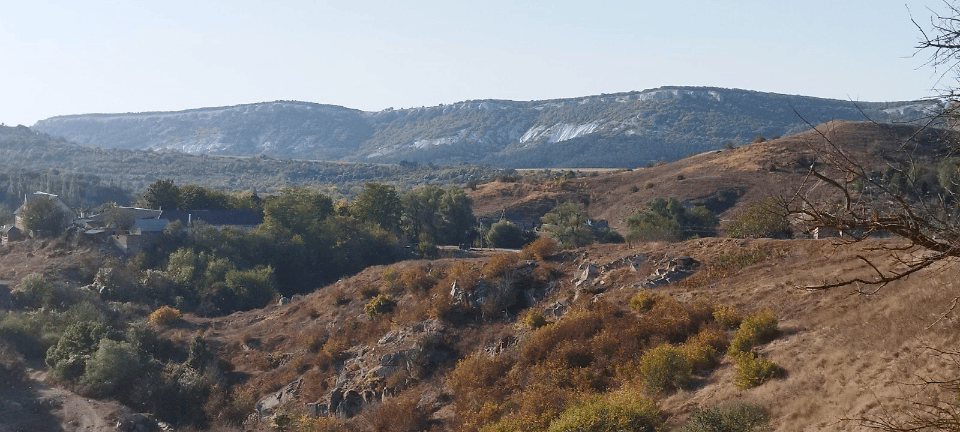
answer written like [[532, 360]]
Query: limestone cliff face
[[616, 130]]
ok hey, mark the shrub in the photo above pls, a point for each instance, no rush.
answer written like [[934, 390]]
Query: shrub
[[253, 288], [164, 315], [183, 266], [764, 218], [148, 342], [113, 367], [197, 354], [728, 317], [534, 320], [180, 395], [664, 368], [499, 264], [379, 305], [541, 248], [33, 290], [731, 416], [622, 411], [369, 292], [67, 359], [608, 235], [415, 280], [310, 423], [700, 355], [668, 219], [738, 260], [477, 381], [399, 413], [426, 247], [756, 329], [711, 336], [511, 177], [753, 369], [577, 325], [504, 234], [642, 301], [24, 333]]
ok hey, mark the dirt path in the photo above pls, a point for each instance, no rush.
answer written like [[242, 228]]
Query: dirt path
[[33, 405]]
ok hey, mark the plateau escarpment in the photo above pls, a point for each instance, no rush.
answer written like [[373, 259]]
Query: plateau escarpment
[[615, 130]]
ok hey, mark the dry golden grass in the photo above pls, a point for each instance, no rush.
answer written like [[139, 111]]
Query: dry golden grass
[[542, 247], [499, 265]]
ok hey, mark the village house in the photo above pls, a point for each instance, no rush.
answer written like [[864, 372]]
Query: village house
[[10, 233], [146, 231]]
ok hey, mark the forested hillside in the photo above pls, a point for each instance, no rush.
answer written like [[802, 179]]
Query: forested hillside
[[85, 176]]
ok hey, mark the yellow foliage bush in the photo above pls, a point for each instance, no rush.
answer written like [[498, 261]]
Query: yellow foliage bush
[[164, 315], [700, 355], [664, 368], [534, 320], [755, 329], [753, 369], [727, 317], [642, 301], [621, 411]]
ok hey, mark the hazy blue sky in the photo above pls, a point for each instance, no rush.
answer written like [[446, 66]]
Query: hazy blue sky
[[74, 57]]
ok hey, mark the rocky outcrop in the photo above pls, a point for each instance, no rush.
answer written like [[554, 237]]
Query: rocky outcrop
[[138, 422], [371, 373], [266, 405], [674, 270]]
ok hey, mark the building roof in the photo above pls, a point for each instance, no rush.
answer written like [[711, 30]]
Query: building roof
[[49, 196], [149, 225], [242, 217]]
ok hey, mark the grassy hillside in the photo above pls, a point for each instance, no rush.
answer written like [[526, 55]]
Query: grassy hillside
[[542, 339]]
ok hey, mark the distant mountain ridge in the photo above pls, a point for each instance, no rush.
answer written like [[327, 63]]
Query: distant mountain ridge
[[610, 130]]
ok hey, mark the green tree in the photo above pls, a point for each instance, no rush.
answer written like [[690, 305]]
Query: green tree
[[459, 222], [44, 214], [114, 216], [195, 197], [567, 224], [298, 209], [378, 204], [668, 219], [948, 175], [161, 194], [445, 215], [504, 234], [764, 218]]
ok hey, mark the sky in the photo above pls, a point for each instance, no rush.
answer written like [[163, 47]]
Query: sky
[[70, 57]]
